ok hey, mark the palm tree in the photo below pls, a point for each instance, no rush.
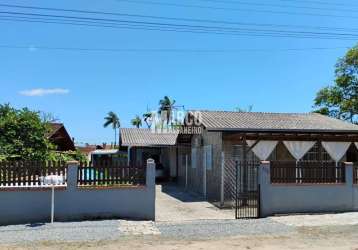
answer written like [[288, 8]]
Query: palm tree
[[137, 121], [147, 117], [166, 105], [112, 118], [248, 109]]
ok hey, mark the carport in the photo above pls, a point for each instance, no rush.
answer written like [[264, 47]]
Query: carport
[[175, 204], [143, 144]]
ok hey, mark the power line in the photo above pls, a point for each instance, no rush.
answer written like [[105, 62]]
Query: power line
[[318, 3], [162, 50], [146, 27], [174, 18], [153, 28], [175, 27], [277, 5], [235, 9]]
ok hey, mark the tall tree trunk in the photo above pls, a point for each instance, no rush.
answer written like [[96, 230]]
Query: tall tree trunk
[[115, 137]]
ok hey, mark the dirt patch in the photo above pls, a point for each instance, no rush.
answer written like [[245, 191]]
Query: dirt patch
[[316, 220]]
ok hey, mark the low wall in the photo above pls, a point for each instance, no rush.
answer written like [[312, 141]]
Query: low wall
[[33, 204], [306, 198]]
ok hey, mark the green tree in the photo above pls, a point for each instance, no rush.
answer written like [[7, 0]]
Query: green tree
[[340, 100], [67, 156], [147, 118], [166, 107], [137, 121], [23, 135], [112, 119]]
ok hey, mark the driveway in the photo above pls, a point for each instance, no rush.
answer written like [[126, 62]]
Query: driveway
[[173, 204]]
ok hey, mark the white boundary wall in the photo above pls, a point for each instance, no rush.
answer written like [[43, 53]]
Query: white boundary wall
[[20, 205], [306, 198]]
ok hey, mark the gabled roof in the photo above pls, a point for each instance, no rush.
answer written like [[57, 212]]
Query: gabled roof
[[54, 127], [270, 122], [146, 137], [59, 136]]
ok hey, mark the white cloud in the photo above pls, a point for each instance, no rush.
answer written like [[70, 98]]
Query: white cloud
[[42, 92]]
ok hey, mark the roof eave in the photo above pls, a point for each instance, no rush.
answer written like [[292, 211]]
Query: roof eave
[[318, 131], [147, 145]]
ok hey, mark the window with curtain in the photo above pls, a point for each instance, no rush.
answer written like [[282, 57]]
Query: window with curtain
[[237, 154], [313, 154]]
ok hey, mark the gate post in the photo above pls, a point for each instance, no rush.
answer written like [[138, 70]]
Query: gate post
[[222, 185], [349, 173], [348, 169], [72, 174], [150, 174], [204, 172], [186, 171], [236, 189], [264, 184], [150, 185]]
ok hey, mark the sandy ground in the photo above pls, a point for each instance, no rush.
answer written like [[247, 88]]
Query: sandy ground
[[315, 220], [314, 232], [305, 239]]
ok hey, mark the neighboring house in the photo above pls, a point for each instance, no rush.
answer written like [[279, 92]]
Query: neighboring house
[[87, 150], [251, 136], [100, 154], [144, 144], [110, 156], [59, 136]]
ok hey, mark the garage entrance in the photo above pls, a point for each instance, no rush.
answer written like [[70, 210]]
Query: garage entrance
[[174, 204]]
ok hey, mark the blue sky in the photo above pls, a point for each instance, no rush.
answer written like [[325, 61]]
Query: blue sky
[[93, 83]]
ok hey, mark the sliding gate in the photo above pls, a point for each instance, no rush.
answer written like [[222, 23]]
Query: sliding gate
[[242, 189]]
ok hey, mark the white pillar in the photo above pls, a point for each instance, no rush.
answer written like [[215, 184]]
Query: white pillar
[[349, 173], [72, 171], [265, 186], [52, 203], [150, 184], [129, 155], [222, 183], [186, 171], [204, 172], [150, 174]]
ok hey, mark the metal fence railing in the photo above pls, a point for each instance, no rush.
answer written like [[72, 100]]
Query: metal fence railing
[[315, 172], [29, 173], [110, 174]]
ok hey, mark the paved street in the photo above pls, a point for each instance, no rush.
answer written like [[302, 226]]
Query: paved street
[[175, 205], [287, 232]]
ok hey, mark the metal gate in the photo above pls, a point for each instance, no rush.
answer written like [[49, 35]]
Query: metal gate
[[247, 190]]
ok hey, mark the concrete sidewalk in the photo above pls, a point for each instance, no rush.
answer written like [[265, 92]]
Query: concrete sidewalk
[[173, 204]]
